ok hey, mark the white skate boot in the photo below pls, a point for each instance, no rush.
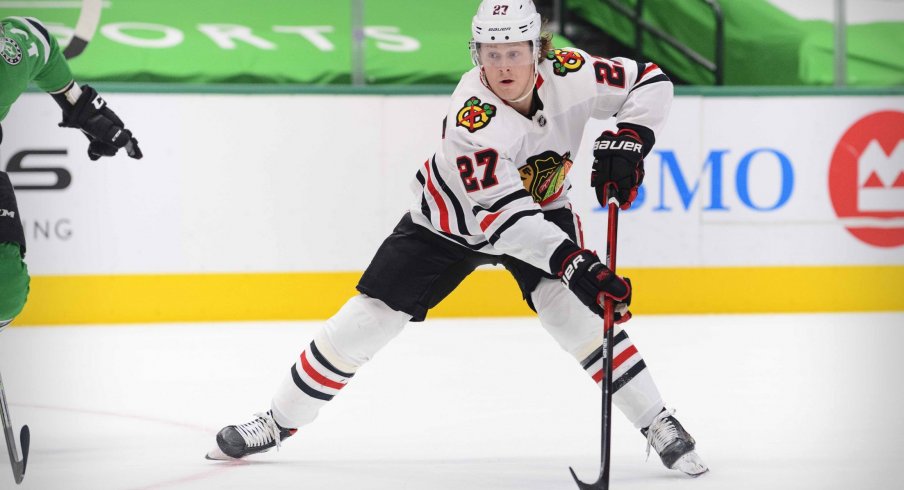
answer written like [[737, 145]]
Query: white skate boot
[[673, 444]]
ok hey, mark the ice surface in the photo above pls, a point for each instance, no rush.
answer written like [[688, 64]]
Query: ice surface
[[775, 402]]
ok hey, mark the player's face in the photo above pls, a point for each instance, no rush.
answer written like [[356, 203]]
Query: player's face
[[509, 68]]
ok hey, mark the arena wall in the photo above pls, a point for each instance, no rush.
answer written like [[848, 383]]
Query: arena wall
[[251, 207]]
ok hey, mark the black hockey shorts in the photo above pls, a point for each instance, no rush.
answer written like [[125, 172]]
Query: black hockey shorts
[[414, 268]]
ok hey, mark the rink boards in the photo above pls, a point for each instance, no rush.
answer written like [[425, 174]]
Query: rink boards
[[268, 207]]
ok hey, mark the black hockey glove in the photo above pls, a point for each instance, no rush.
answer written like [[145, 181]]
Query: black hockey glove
[[105, 131], [583, 273], [618, 159], [10, 222]]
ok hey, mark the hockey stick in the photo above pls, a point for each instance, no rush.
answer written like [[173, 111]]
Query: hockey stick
[[88, 19], [602, 483], [24, 438]]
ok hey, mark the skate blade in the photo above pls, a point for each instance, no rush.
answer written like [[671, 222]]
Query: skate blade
[[216, 454], [690, 464]]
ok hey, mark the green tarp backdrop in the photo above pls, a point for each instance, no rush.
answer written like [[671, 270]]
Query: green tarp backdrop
[[763, 44], [264, 41], [425, 41]]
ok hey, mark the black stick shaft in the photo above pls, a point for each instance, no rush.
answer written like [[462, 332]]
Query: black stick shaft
[[18, 465], [602, 483], [609, 326]]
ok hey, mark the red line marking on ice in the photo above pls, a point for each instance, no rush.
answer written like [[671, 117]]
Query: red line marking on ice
[[221, 467]]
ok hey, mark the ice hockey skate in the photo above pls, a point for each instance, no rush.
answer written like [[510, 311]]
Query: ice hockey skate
[[673, 444], [256, 436]]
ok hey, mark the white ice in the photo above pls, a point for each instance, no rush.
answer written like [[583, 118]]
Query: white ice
[[808, 401]]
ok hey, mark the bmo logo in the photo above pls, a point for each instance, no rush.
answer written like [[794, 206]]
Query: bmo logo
[[866, 179]]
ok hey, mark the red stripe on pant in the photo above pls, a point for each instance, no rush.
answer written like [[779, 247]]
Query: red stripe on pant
[[619, 360], [323, 380]]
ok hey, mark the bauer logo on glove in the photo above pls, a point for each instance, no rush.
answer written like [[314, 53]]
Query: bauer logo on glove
[[618, 161], [618, 145]]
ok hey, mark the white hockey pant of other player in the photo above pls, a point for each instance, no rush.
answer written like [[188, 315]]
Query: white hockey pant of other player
[[580, 332]]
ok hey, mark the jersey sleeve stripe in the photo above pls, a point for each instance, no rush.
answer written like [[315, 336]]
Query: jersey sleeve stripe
[[650, 68], [459, 211], [36, 34], [488, 220], [501, 202], [640, 71], [579, 229], [510, 221], [440, 204], [658, 78], [425, 208], [64, 89], [40, 27]]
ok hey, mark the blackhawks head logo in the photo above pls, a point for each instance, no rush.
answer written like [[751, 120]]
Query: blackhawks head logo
[[544, 175], [565, 62], [10, 51], [475, 115]]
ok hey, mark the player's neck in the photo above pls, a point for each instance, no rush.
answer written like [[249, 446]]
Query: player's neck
[[524, 105]]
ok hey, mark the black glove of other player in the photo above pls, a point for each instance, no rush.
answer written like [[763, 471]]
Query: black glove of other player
[[618, 159], [105, 131], [583, 273]]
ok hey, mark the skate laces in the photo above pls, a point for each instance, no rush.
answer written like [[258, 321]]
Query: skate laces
[[260, 431], [661, 432]]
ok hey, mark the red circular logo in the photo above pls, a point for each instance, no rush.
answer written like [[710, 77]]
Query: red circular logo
[[866, 179]]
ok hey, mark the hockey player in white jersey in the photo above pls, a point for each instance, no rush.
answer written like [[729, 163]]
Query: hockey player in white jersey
[[496, 192]]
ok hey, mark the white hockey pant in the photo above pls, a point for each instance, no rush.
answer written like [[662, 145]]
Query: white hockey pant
[[348, 340], [364, 325], [580, 332]]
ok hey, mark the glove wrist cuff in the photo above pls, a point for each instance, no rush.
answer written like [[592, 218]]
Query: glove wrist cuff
[[646, 135], [564, 252]]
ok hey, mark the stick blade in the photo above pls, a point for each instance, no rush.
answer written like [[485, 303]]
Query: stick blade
[[25, 441], [75, 48], [19, 466], [600, 484]]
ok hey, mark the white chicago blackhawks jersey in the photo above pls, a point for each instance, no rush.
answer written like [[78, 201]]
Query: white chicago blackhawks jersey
[[497, 170]]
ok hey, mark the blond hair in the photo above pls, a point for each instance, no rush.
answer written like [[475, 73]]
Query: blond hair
[[545, 44]]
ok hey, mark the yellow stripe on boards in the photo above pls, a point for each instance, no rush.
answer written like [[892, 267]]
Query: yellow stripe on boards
[[67, 300], [767, 289]]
